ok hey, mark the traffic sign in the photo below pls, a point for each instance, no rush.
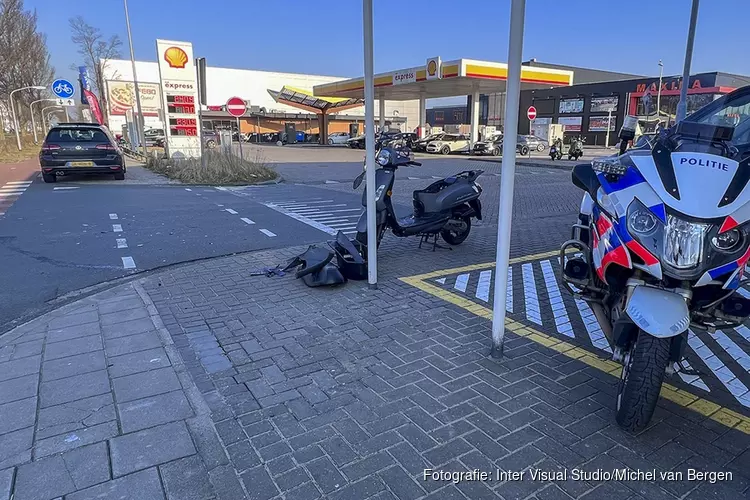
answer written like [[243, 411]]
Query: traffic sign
[[531, 112], [66, 102], [63, 88], [236, 106]]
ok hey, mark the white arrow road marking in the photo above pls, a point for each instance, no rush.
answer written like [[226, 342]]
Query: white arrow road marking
[[441, 281], [128, 263]]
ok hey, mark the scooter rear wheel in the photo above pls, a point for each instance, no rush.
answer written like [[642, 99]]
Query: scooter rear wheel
[[453, 236]]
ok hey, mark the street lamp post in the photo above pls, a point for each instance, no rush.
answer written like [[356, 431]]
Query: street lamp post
[[44, 125], [682, 105], [141, 133], [13, 110], [372, 236], [658, 92], [33, 123]]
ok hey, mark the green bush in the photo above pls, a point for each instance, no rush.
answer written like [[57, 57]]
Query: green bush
[[221, 169]]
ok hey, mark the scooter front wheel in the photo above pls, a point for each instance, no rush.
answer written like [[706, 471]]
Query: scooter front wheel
[[456, 231], [361, 237]]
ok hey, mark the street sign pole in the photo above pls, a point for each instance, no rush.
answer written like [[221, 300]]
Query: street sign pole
[[609, 124], [200, 68], [372, 237], [140, 125], [682, 105], [505, 216], [239, 138]]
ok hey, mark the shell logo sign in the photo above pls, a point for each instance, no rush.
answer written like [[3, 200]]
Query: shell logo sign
[[433, 68], [175, 57]]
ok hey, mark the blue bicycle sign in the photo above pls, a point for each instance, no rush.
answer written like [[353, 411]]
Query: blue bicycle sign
[[63, 89]]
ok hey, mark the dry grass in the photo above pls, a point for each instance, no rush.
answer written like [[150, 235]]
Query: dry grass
[[221, 169], [9, 152]]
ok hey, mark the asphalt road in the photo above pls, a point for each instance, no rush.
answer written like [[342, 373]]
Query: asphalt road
[[58, 239]]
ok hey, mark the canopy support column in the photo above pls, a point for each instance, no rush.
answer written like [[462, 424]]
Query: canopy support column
[[474, 118], [323, 129], [381, 103], [422, 116]]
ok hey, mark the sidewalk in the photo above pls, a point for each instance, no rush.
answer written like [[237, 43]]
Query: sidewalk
[[202, 382]]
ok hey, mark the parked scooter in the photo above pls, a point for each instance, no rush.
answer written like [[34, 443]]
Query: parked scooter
[[443, 209], [575, 150], [555, 150]]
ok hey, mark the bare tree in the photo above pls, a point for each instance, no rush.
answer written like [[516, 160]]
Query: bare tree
[[24, 59], [96, 51]]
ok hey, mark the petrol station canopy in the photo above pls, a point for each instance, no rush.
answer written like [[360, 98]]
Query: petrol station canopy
[[445, 79], [304, 99]]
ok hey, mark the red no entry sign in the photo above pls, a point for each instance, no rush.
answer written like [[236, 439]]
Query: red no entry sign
[[236, 106], [531, 112]]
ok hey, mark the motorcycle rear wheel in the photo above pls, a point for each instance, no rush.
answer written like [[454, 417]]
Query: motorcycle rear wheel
[[642, 376], [456, 237]]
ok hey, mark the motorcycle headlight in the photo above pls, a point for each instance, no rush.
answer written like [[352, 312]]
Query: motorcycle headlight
[[384, 157], [683, 242], [727, 241], [642, 222]]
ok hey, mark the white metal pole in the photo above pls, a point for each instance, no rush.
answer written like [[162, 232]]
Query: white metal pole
[[381, 114], [200, 117], [609, 124], [139, 120], [15, 120], [239, 138], [682, 105], [505, 217], [372, 237], [33, 122], [658, 92]]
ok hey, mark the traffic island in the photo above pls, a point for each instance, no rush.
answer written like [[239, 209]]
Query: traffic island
[[221, 168]]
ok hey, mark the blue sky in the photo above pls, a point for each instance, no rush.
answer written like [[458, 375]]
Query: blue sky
[[326, 38]]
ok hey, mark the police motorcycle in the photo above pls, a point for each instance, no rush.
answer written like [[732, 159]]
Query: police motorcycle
[[444, 209], [575, 150], [555, 150], [662, 241]]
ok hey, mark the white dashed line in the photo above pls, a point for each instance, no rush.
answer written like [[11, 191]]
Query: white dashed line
[[117, 228], [188, 189], [18, 183], [267, 233], [122, 243], [128, 263], [68, 188], [233, 212], [113, 216], [247, 221]]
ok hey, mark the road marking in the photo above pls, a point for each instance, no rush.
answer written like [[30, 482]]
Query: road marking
[[562, 322], [697, 403], [333, 182], [19, 183], [188, 189], [8, 194], [441, 281], [531, 300], [461, 282], [128, 263], [113, 216], [346, 228], [247, 221], [483, 287], [724, 374], [233, 212], [334, 219], [117, 228], [122, 243], [66, 188], [302, 218], [267, 233]]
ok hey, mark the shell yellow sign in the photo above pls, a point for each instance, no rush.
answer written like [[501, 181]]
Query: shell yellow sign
[[175, 57], [433, 68]]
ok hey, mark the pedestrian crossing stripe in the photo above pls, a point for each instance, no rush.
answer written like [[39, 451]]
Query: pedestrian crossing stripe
[[692, 396]]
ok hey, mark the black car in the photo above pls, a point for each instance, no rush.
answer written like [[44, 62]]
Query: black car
[[494, 146], [80, 148], [359, 141]]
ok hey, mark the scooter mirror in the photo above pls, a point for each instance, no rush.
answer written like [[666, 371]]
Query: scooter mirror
[[358, 180]]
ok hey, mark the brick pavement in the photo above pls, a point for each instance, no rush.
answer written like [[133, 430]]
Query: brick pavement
[[344, 393]]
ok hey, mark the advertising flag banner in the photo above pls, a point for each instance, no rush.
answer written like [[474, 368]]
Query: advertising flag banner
[[93, 102]]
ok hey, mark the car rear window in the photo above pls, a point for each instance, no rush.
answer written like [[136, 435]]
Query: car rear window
[[77, 135]]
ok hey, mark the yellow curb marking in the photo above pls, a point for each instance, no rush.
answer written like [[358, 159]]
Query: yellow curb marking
[[714, 411]]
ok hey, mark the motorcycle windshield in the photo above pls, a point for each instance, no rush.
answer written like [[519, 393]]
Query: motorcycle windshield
[[701, 168]]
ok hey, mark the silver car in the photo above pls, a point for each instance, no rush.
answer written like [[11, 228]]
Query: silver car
[[535, 143]]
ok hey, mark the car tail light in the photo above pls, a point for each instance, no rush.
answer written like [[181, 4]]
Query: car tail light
[[107, 147], [46, 148]]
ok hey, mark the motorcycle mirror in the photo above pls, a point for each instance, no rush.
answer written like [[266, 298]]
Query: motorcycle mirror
[[358, 180]]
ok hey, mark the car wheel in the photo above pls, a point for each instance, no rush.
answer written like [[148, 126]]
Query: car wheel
[[446, 150], [496, 152], [330, 142], [524, 150], [540, 147], [210, 144], [49, 177], [119, 176]]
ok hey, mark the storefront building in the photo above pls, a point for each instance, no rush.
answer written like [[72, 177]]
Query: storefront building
[[584, 109]]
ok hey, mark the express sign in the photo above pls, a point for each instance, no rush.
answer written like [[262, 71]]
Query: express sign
[[406, 76]]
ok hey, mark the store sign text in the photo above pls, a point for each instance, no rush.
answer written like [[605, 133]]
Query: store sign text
[[673, 85], [409, 76]]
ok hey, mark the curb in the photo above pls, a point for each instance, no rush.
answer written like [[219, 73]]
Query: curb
[[526, 163]]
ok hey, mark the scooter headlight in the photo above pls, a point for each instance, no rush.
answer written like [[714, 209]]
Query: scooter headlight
[[727, 241], [384, 157]]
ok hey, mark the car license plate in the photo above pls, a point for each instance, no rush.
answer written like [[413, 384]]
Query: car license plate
[[81, 163]]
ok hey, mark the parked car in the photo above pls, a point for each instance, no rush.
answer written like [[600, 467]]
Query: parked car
[[493, 146], [449, 143], [210, 138], [535, 143], [358, 142], [421, 144], [152, 135], [338, 138], [80, 148]]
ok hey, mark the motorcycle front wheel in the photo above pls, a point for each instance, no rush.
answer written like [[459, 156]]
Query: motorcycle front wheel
[[640, 382], [456, 231]]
